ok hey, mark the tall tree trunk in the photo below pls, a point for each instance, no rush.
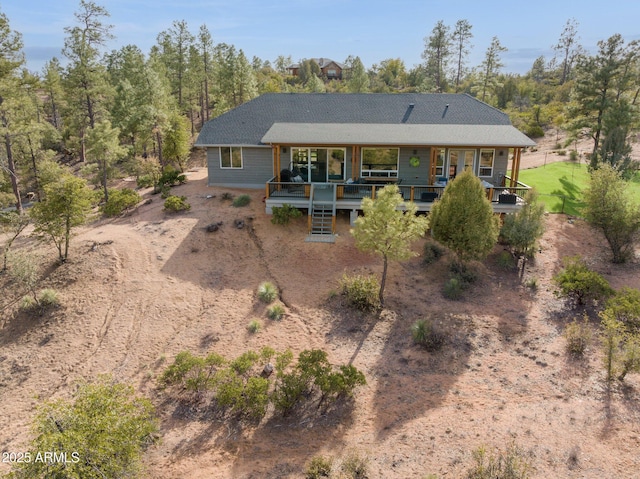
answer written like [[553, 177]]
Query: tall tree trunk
[[12, 171], [104, 180], [383, 280]]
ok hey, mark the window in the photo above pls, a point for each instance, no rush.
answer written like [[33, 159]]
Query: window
[[318, 164], [230, 157], [382, 162], [440, 162], [486, 162]]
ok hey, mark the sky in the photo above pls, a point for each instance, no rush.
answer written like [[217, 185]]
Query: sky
[[374, 30]]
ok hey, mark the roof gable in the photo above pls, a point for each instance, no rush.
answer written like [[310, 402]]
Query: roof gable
[[248, 123]]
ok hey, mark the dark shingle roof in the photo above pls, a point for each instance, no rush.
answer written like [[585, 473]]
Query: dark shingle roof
[[248, 123]]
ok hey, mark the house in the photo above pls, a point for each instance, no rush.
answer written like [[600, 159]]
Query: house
[[330, 70], [325, 152]]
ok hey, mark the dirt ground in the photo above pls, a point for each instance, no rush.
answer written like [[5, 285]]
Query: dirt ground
[[139, 289]]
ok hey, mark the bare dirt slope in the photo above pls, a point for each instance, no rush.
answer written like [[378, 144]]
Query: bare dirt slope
[[139, 289]]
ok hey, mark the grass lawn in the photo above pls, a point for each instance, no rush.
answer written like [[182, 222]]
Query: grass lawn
[[559, 185]]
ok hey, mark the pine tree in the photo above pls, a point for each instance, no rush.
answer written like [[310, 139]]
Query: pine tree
[[437, 53]]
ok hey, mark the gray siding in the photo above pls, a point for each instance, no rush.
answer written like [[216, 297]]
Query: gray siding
[[412, 175], [500, 166], [257, 168]]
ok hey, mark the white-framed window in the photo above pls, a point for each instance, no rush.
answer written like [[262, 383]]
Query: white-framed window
[[380, 162], [440, 159], [231, 157], [487, 158]]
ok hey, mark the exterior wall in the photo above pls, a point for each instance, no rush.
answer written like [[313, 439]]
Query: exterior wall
[[500, 164], [414, 175], [257, 168]]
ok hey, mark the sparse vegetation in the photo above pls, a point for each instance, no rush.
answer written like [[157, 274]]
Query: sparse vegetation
[[361, 291], [355, 465], [453, 288], [508, 464], [319, 467], [285, 213], [267, 292], [578, 337], [174, 204], [580, 284], [432, 252], [428, 335], [119, 201], [242, 200], [275, 312], [254, 326], [105, 428], [505, 260]]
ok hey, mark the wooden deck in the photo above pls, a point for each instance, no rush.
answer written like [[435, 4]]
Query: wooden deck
[[344, 196]]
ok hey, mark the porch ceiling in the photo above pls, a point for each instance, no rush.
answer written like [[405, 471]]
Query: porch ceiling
[[335, 134]]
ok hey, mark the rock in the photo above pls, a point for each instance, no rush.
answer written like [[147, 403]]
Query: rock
[[214, 227], [239, 224], [267, 370]]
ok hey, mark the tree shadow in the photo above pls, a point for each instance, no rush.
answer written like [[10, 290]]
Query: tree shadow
[[410, 381], [570, 194], [295, 439]]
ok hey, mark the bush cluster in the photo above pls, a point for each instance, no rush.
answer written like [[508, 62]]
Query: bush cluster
[[119, 201], [171, 177], [285, 213], [176, 203], [578, 336], [428, 335], [242, 200], [462, 277], [361, 291], [508, 464], [580, 284], [267, 292], [239, 386], [432, 252]]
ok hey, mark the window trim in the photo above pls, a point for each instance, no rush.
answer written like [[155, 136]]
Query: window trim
[[231, 167], [379, 173], [493, 163]]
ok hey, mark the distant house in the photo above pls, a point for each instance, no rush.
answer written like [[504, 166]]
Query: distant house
[[331, 150], [330, 70]]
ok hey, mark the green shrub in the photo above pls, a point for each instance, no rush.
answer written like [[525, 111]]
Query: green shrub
[[534, 131], [283, 214], [145, 181], [318, 467], [267, 292], [577, 282], [27, 303], [578, 336], [104, 430], [171, 177], [509, 464], [562, 152], [465, 273], [176, 203], [275, 312], [48, 298], [226, 196], [361, 291], [242, 200], [355, 466], [119, 201], [432, 252], [506, 261], [254, 326], [192, 373], [453, 289], [532, 283], [625, 307], [574, 155], [427, 335]]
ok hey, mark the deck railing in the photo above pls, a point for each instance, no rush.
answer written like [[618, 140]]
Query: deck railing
[[357, 191]]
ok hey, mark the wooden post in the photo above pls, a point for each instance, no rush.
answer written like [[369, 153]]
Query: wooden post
[[433, 165], [276, 162], [516, 169], [411, 195]]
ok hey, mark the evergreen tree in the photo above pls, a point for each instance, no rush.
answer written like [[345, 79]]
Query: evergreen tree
[[173, 51], [610, 210], [437, 53], [86, 86], [490, 69], [463, 219], [388, 231], [602, 81], [67, 204], [103, 149], [461, 39], [568, 49], [357, 78]]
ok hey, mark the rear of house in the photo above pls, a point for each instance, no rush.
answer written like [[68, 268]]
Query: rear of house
[[342, 147]]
